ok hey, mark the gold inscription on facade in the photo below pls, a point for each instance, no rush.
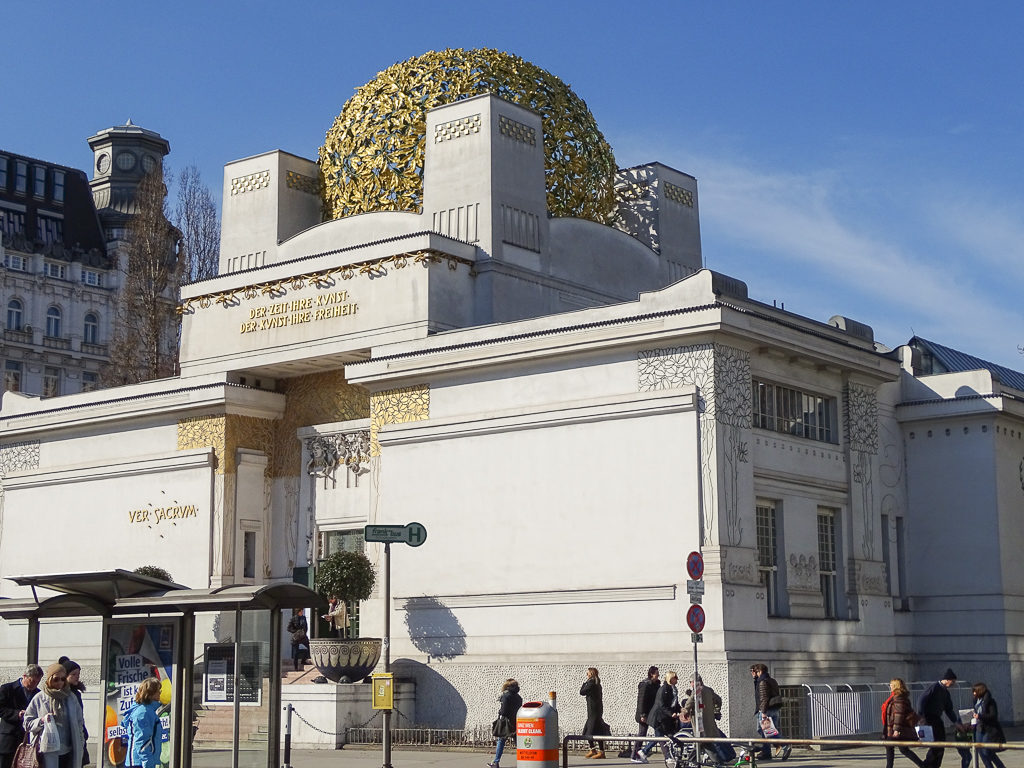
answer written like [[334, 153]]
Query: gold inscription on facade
[[298, 311], [160, 514]]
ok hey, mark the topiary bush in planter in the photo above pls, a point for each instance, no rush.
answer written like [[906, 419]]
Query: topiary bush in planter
[[350, 577]]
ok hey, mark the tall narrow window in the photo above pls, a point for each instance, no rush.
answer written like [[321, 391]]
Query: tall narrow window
[[886, 554], [39, 181], [58, 186], [827, 560], [21, 176], [249, 554], [12, 376], [53, 317], [768, 554], [3, 173], [51, 381], [14, 313], [92, 326], [901, 570]]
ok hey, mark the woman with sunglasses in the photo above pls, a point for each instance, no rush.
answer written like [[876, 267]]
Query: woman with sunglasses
[[55, 703]]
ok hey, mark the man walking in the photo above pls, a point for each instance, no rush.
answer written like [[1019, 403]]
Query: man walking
[[14, 698], [702, 706], [646, 692], [768, 702], [936, 702]]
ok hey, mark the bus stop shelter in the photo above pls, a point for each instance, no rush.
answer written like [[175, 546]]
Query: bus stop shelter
[[217, 653]]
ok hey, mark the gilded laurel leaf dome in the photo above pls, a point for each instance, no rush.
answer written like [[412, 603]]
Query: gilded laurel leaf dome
[[372, 157]]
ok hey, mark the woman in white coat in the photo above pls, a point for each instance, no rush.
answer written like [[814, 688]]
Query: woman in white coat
[[56, 703]]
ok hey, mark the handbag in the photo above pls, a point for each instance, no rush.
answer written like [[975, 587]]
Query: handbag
[[27, 754], [501, 728]]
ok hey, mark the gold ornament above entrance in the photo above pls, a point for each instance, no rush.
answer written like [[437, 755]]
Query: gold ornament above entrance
[[324, 279]]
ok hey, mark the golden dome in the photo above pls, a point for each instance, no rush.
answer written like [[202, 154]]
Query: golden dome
[[372, 157]]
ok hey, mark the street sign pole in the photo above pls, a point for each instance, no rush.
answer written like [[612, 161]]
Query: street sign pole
[[386, 739], [695, 620]]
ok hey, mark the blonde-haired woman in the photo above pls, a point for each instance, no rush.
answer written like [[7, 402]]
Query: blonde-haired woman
[[508, 707], [898, 719], [55, 703], [142, 724]]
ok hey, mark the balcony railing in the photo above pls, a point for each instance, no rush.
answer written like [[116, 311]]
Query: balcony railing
[[19, 337], [55, 342], [100, 350]]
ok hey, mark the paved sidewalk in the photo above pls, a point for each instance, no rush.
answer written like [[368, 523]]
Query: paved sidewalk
[[856, 757]]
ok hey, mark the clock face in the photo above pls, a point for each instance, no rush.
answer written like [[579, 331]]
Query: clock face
[[103, 163], [148, 163], [125, 161]]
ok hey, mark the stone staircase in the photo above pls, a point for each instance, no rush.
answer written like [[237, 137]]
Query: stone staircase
[[216, 722]]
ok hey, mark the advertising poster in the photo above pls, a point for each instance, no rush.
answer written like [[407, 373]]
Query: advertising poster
[[136, 652], [219, 679]]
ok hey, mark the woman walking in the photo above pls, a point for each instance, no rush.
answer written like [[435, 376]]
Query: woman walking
[[595, 712], [509, 703], [298, 627], [56, 704], [987, 729], [898, 718]]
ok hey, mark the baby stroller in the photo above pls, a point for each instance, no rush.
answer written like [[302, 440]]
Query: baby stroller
[[683, 754]]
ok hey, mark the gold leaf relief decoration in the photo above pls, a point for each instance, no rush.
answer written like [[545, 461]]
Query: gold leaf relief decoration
[[397, 406], [319, 398], [203, 432], [250, 432], [372, 157]]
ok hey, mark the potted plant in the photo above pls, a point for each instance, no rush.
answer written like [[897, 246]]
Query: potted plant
[[347, 577]]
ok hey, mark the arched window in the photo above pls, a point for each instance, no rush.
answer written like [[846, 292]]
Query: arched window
[[53, 322], [14, 309], [92, 328]]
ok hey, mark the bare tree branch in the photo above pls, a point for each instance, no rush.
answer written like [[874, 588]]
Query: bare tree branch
[[195, 214]]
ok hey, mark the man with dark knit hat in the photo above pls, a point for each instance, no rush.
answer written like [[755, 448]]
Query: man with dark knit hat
[[934, 703]]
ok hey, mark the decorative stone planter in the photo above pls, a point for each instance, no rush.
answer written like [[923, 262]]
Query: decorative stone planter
[[345, 660]]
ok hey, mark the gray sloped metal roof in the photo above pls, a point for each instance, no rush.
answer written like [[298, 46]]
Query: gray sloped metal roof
[[955, 361]]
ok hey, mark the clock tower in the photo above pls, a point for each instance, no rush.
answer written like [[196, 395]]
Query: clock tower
[[122, 155]]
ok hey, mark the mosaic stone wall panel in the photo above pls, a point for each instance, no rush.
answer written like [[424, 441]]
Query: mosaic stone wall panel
[[456, 129], [517, 131], [722, 377], [457, 695], [678, 195], [308, 184], [397, 406]]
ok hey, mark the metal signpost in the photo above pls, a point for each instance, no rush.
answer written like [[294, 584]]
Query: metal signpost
[[695, 621], [413, 534]]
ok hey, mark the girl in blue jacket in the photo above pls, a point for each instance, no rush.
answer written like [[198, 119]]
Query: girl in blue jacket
[[143, 728]]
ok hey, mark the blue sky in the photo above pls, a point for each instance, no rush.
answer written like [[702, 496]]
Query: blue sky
[[862, 159]]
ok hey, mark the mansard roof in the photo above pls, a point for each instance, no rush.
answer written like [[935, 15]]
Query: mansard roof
[[937, 358]]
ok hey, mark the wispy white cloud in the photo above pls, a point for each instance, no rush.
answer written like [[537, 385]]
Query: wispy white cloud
[[819, 238]]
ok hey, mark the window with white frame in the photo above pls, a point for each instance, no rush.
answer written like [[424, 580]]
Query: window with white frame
[[53, 269], [12, 375], [827, 561], [768, 553], [51, 381], [794, 412], [91, 329], [15, 262], [58, 186], [15, 311], [53, 318], [92, 277]]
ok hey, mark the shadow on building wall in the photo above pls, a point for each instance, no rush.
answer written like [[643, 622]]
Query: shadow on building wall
[[442, 705], [434, 629]]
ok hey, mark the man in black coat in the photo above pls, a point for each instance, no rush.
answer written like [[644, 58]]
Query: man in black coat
[[646, 692], [934, 703], [14, 698]]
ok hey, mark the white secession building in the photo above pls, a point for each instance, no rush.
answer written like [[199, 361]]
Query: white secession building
[[569, 408]]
